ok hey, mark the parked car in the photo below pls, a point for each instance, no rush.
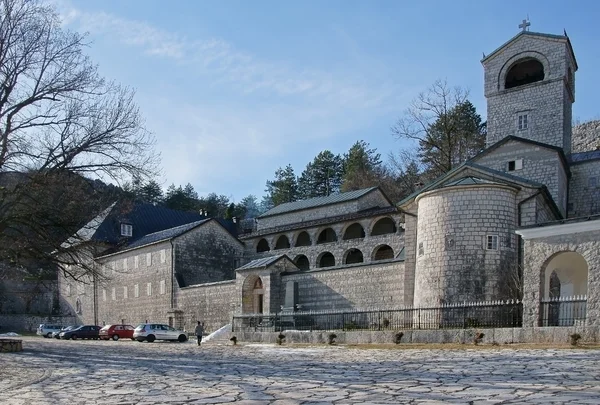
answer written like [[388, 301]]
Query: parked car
[[81, 332], [46, 329], [56, 334], [116, 332], [156, 331]]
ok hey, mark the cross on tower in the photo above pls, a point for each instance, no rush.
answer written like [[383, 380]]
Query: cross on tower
[[524, 25]]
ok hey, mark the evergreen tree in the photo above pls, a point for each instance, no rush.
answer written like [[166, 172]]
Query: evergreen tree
[[183, 199], [151, 192], [322, 177], [284, 188], [215, 206], [362, 167], [250, 207]]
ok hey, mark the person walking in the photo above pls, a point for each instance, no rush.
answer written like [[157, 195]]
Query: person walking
[[199, 331]]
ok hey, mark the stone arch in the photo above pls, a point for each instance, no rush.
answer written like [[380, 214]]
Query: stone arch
[[327, 235], [382, 252], [325, 259], [383, 226], [302, 262], [262, 246], [303, 239], [353, 256], [566, 274], [253, 295], [354, 231], [516, 60], [282, 243]]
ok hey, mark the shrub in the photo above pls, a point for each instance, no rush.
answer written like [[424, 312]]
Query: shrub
[[331, 338], [280, 339], [350, 325], [575, 338], [233, 340], [385, 323], [398, 337], [478, 338]]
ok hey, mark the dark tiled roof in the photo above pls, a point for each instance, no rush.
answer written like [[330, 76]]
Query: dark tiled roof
[[166, 234], [582, 157], [323, 221], [595, 217], [317, 202], [262, 263]]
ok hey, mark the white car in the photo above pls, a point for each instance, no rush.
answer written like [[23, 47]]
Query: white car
[[158, 331], [46, 330]]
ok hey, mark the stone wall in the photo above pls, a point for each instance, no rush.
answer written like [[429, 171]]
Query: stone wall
[[547, 102], [586, 137], [584, 191], [27, 323], [378, 285], [370, 200], [212, 303], [18, 296], [454, 263]]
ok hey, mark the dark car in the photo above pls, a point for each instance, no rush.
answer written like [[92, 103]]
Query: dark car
[[116, 332], [56, 334], [81, 332]]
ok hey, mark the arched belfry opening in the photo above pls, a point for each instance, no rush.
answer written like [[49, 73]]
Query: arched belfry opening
[[282, 243], [262, 246], [524, 72], [253, 295]]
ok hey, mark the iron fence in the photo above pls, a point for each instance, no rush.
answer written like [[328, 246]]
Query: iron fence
[[563, 311], [493, 314]]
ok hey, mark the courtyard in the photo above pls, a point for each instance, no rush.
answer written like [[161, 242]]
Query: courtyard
[[51, 371]]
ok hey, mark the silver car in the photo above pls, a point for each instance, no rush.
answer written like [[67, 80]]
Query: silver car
[[157, 331], [46, 330]]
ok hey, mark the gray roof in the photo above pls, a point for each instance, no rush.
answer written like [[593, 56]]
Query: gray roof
[[262, 263], [317, 202], [468, 181], [166, 234], [585, 156]]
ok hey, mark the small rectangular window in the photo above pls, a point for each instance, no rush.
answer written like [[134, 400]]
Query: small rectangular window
[[104, 294], [114, 293], [124, 264], [523, 122], [592, 182], [515, 165], [421, 249], [136, 261], [126, 230], [163, 255], [125, 292], [148, 259], [136, 290], [68, 290], [149, 289], [492, 242], [162, 287]]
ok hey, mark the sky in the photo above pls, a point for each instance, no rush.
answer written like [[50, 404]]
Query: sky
[[232, 90]]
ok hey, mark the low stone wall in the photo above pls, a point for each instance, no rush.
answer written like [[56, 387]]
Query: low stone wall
[[29, 323], [10, 345], [556, 335]]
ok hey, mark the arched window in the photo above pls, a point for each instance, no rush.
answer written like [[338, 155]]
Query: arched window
[[354, 231], [302, 262], [524, 72], [303, 239], [326, 259], [383, 252], [282, 243], [384, 226], [327, 235], [263, 246], [258, 284], [353, 256]]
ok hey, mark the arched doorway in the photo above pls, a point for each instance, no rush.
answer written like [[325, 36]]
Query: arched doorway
[[253, 295], [565, 285]]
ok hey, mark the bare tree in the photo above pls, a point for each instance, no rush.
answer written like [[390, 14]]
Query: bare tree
[[60, 122], [445, 125]]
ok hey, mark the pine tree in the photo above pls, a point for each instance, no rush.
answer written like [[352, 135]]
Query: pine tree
[[151, 192], [362, 167], [284, 188], [322, 177]]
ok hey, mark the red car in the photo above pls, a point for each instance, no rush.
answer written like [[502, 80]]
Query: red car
[[116, 332]]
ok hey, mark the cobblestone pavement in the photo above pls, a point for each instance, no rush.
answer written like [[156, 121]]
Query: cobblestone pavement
[[125, 372]]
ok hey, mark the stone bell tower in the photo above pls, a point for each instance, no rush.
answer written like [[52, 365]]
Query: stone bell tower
[[530, 88]]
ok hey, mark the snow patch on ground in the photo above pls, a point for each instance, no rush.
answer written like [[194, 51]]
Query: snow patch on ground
[[9, 334], [219, 334]]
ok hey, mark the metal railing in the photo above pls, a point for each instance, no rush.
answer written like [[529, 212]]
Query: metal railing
[[563, 311], [490, 314]]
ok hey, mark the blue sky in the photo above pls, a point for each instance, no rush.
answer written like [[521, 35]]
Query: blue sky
[[232, 90]]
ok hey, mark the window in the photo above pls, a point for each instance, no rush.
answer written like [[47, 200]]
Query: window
[[125, 292], [523, 122], [421, 249], [126, 230], [162, 287], [124, 264], [148, 259], [593, 182], [149, 289], [163, 256], [515, 165], [114, 293], [104, 294], [136, 261], [136, 290], [68, 290], [492, 242]]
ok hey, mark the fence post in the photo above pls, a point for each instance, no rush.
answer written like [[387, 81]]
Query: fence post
[[232, 324], [464, 316]]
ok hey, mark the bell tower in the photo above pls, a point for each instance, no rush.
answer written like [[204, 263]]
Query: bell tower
[[530, 88]]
